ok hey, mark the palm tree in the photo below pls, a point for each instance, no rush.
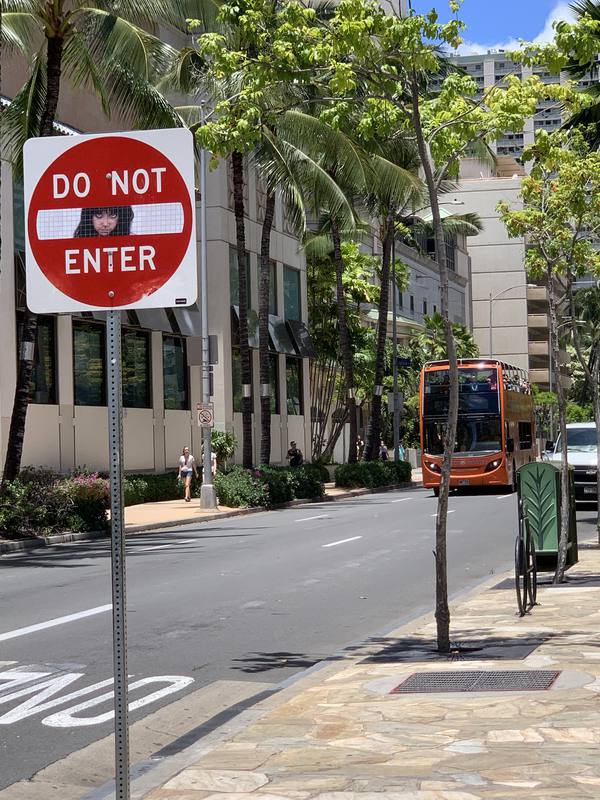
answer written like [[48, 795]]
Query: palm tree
[[91, 45], [393, 187]]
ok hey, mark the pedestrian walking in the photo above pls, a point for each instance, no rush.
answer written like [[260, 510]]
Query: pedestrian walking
[[401, 452], [360, 448], [294, 455], [383, 451], [187, 468]]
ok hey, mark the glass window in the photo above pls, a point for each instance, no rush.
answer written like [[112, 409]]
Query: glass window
[[400, 300], [293, 383], [274, 382], [89, 374], [43, 379], [236, 379], [135, 358], [412, 303], [424, 307], [475, 435], [478, 391], [291, 293], [273, 289], [525, 436], [234, 284], [175, 373]]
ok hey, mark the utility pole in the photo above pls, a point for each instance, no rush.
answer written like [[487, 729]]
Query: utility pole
[[395, 354]]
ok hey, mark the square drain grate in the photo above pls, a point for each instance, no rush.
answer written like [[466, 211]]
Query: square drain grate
[[477, 681]]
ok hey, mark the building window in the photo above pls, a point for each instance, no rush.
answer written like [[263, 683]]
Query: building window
[[424, 307], [89, 373], [43, 378], [175, 373], [273, 289], [291, 293], [234, 283], [135, 358], [236, 378], [412, 304], [274, 382], [400, 300], [293, 383], [435, 309]]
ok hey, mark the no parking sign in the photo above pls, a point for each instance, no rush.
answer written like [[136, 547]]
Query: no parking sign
[[110, 221]]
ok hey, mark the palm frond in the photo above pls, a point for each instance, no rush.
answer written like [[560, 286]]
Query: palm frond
[[20, 7], [20, 30], [21, 120], [81, 68], [469, 224], [140, 104], [391, 185], [186, 74]]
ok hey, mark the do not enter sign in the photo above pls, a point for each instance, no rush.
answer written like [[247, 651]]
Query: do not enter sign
[[110, 221]]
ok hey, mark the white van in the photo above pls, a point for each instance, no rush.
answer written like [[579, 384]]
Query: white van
[[582, 456]]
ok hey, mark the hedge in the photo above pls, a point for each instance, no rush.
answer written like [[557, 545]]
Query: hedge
[[372, 474], [268, 486]]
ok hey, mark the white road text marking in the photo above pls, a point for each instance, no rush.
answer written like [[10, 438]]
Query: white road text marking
[[306, 519]]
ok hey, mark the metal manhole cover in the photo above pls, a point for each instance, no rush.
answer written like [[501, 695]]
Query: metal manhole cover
[[477, 681]]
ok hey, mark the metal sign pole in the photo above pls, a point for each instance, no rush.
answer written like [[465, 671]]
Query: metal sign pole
[[396, 417], [115, 437]]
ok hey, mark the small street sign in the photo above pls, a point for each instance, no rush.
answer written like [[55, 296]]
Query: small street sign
[[110, 221], [206, 415]]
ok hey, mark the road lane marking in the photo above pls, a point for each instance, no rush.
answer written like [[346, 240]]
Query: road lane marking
[[342, 541], [154, 547], [52, 623], [402, 499], [450, 511], [319, 516]]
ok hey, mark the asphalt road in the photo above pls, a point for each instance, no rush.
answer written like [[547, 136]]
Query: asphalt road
[[255, 598]]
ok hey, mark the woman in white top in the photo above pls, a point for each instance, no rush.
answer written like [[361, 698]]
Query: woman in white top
[[187, 466]]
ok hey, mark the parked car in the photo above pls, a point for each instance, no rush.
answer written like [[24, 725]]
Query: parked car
[[582, 456]]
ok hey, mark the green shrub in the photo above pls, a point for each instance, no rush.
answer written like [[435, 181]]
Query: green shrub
[[309, 481], [281, 483], [242, 487], [372, 474], [150, 488], [223, 444], [90, 498]]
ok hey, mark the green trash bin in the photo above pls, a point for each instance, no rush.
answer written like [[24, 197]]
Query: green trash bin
[[538, 485]]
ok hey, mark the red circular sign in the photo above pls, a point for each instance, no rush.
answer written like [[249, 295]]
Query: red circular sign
[[110, 221]]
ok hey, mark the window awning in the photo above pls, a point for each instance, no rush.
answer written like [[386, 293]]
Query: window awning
[[154, 318], [189, 320], [301, 338], [280, 336]]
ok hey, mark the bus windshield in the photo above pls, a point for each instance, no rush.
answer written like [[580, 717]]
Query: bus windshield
[[473, 435], [477, 387]]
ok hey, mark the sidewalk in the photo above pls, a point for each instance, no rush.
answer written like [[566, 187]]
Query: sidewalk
[[339, 734]]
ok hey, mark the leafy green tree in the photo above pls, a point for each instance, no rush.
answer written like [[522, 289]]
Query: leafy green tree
[[560, 208], [92, 44]]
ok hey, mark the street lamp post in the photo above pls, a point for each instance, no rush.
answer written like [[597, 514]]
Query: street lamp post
[[491, 301], [208, 497]]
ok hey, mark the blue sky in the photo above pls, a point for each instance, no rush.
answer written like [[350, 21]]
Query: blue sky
[[493, 23]]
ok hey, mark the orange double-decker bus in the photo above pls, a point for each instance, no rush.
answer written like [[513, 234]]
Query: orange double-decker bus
[[495, 433]]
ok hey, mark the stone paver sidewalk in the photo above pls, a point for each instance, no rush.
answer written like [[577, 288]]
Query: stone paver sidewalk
[[342, 736]]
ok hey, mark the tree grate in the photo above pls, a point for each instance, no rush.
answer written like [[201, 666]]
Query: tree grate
[[478, 681]]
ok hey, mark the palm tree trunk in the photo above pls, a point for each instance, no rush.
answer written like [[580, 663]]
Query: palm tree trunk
[[237, 165], [374, 428], [16, 433], [442, 610], [563, 541], [263, 330], [345, 340]]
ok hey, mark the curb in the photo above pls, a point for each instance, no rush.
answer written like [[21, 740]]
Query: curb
[[21, 545]]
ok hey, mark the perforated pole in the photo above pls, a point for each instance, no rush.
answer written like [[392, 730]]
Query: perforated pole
[[115, 438]]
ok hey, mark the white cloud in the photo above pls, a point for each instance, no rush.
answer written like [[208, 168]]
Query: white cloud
[[561, 11]]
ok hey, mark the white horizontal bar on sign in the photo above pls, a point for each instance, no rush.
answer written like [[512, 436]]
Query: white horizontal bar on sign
[[151, 218]]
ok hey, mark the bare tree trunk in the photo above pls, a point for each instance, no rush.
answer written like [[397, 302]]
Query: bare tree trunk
[[16, 434], [263, 331], [345, 340], [442, 610], [562, 424], [374, 426], [237, 165]]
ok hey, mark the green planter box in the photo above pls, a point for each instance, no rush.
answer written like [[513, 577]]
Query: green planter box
[[538, 485]]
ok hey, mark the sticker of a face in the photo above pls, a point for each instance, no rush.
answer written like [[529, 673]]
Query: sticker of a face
[[105, 221]]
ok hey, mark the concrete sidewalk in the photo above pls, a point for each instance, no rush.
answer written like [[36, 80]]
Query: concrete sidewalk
[[340, 734]]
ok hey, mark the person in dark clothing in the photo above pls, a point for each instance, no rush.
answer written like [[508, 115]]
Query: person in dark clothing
[[294, 455], [383, 451]]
